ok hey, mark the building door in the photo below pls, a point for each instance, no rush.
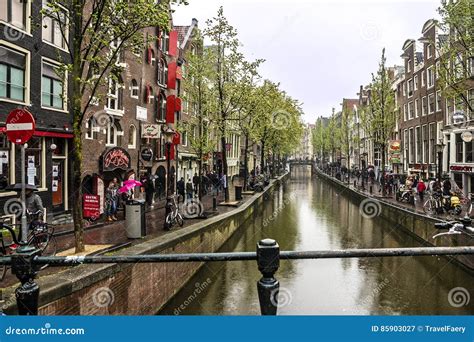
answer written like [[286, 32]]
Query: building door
[[58, 185]]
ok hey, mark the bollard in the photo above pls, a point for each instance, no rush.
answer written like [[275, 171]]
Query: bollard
[[370, 189], [268, 260], [355, 184], [27, 294], [214, 203]]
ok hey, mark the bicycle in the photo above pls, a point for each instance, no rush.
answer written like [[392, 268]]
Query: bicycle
[[40, 236], [174, 216], [459, 227]]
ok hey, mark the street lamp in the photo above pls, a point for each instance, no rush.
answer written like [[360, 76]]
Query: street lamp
[[439, 150]]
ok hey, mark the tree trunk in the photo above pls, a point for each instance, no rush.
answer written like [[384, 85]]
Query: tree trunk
[[262, 155], [246, 162], [383, 171], [225, 169]]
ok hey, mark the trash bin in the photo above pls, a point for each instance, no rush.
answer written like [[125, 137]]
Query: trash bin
[[238, 183], [135, 221]]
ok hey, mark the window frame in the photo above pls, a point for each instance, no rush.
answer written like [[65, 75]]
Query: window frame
[[65, 37], [64, 108], [26, 25], [26, 77], [132, 129]]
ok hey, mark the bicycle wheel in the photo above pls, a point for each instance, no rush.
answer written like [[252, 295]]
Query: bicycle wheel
[[428, 207], [168, 221], [179, 219], [51, 248]]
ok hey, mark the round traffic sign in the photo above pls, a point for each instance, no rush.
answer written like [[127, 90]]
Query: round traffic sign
[[20, 126]]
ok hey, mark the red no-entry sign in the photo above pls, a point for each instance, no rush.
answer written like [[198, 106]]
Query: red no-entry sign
[[20, 126]]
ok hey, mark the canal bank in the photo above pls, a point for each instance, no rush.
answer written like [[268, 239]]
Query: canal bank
[[140, 289], [418, 225]]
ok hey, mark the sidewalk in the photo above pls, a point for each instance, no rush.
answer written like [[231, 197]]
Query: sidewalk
[[115, 233]]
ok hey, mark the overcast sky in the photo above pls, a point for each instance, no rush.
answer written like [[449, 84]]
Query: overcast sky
[[320, 51]]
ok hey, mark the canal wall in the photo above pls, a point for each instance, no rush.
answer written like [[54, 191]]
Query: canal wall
[[140, 289], [418, 225]]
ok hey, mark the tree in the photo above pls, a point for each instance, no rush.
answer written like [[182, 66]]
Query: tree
[[456, 63], [230, 71], [345, 133], [96, 33], [379, 118], [199, 96]]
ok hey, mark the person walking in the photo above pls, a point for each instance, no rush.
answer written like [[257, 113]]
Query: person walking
[[421, 188], [196, 183], [110, 203], [189, 189], [149, 190], [180, 187]]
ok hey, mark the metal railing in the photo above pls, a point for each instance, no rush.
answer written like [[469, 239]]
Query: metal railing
[[27, 261]]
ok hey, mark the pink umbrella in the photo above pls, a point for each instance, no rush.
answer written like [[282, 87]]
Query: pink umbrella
[[129, 185]]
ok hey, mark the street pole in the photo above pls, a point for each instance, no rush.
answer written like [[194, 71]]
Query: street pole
[[440, 165], [24, 227]]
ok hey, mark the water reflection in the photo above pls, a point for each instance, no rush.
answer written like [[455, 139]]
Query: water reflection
[[307, 214]]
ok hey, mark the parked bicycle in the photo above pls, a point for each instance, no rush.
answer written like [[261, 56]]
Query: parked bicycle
[[40, 236], [460, 227], [174, 216], [439, 204]]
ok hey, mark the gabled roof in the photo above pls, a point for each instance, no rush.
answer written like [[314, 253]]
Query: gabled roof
[[428, 25]]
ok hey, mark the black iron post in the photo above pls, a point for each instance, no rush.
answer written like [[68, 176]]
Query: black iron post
[[27, 294], [268, 260], [168, 183], [440, 165]]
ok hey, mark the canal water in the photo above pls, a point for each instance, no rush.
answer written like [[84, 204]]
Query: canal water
[[308, 214]]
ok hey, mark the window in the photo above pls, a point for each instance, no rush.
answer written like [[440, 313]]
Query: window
[[410, 110], [149, 95], [162, 73], [431, 103], [417, 106], [412, 146], [423, 78], [113, 133], [424, 106], [52, 90], [415, 82], [404, 89], [458, 66], [12, 74], [161, 108], [405, 145], [429, 49], [470, 96], [55, 26], [438, 100], [132, 137], [430, 77], [459, 148], [91, 128], [419, 150], [432, 143], [438, 68], [134, 89], [115, 96], [469, 152], [409, 65], [34, 156], [14, 12], [4, 162], [426, 145], [185, 139], [410, 88], [164, 41], [405, 112]]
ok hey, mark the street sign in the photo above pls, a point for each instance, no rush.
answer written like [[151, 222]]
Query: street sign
[[467, 136], [20, 126]]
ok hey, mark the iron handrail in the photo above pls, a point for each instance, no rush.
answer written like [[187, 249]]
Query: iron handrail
[[245, 256]]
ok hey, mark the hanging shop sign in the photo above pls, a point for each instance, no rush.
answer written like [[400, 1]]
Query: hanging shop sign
[[116, 158], [151, 131], [467, 136], [147, 154], [394, 152]]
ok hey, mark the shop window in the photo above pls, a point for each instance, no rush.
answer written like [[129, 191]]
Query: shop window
[[12, 74], [4, 162], [52, 88], [60, 150], [14, 12], [34, 158], [55, 25]]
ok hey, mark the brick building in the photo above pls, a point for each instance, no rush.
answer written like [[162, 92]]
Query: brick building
[[30, 50]]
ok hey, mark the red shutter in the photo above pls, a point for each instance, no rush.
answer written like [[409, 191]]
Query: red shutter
[[170, 109], [150, 55], [177, 139], [179, 73], [173, 49], [172, 75], [178, 104]]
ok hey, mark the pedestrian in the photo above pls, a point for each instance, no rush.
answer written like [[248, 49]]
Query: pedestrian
[[181, 186], [421, 188], [196, 183], [110, 203], [149, 190], [189, 189]]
